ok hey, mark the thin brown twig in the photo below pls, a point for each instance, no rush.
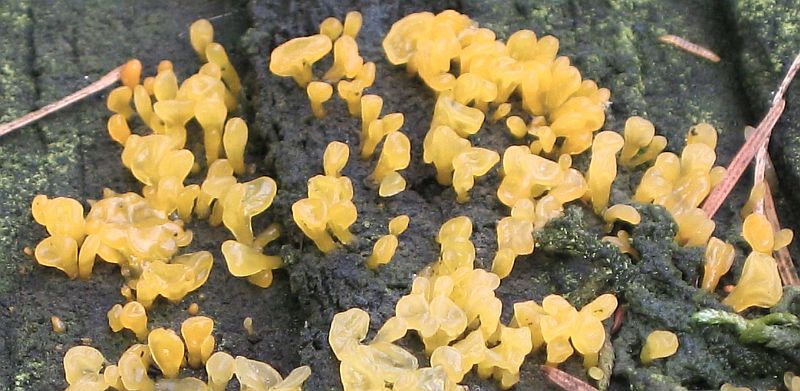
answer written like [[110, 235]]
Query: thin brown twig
[[784, 260], [564, 380], [787, 79], [743, 159], [101, 84], [689, 46]]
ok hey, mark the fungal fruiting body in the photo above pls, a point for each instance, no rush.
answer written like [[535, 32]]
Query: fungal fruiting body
[[329, 208], [659, 344], [386, 245]]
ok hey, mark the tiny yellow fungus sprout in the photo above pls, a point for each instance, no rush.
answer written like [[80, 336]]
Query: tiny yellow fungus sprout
[[758, 286], [82, 365], [386, 245], [469, 164], [164, 65], [131, 73], [623, 242], [440, 147], [516, 126], [215, 53], [335, 158], [346, 60], [756, 197], [166, 349], [319, 92], [398, 224], [395, 156], [603, 168], [352, 23], [501, 111], [596, 373], [196, 332], [622, 212], [58, 325], [295, 57], [234, 140], [659, 344], [371, 106], [131, 316], [193, 309], [119, 101], [133, 369], [118, 128], [641, 143], [245, 261], [718, 260], [247, 324], [201, 34], [331, 27], [220, 367]]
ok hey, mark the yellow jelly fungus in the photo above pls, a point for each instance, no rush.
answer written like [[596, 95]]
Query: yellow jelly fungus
[[514, 237], [516, 126], [119, 101], [603, 168], [501, 111], [335, 158], [529, 314], [201, 34], [131, 73], [133, 365], [352, 23], [165, 85], [234, 140], [718, 260], [702, 133], [527, 175], [82, 365], [258, 376], [131, 316], [60, 252], [351, 91], [759, 284], [791, 381], [60, 216], [215, 53], [371, 106], [440, 148], [398, 225], [464, 120], [346, 60], [383, 251], [118, 128], [164, 65], [756, 197], [758, 233], [58, 325], [242, 202], [469, 164], [245, 261], [193, 309], [395, 156], [641, 143], [173, 280], [319, 92], [623, 242], [377, 130], [331, 27], [211, 113], [247, 324], [196, 332], [295, 57], [596, 373], [148, 84], [471, 88], [622, 212], [219, 367], [166, 349], [659, 344], [329, 206]]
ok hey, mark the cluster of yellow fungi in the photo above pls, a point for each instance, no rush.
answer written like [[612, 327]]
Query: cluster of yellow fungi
[[329, 207], [454, 310], [87, 370], [295, 58]]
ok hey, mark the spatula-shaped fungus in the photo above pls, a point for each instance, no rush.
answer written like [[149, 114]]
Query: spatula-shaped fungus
[[318, 93], [196, 332], [166, 349], [131, 316], [718, 260], [234, 140], [759, 284], [201, 34], [659, 344], [295, 57], [219, 367], [82, 365]]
